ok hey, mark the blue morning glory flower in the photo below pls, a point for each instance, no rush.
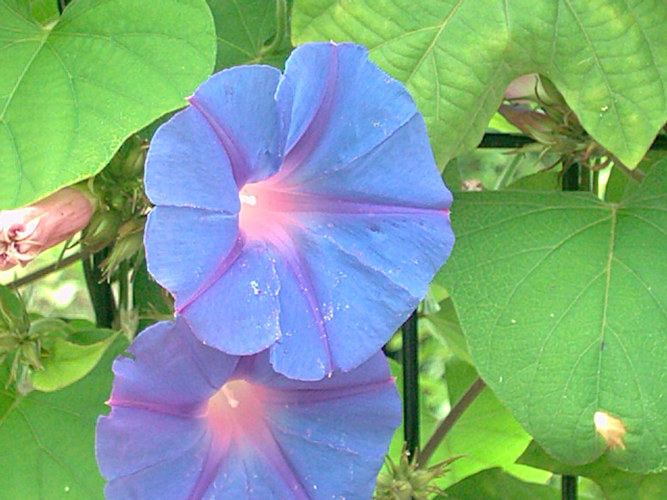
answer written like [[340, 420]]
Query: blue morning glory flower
[[189, 421], [302, 211]]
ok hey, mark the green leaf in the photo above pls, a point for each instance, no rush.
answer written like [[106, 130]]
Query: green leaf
[[70, 93], [494, 484], [48, 438], [616, 484], [486, 434], [44, 11], [607, 57], [495, 169], [246, 31], [152, 303], [563, 300], [444, 325], [619, 184], [69, 362]]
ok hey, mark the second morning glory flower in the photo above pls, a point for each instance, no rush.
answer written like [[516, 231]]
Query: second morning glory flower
[[189, 421], [302, 211]]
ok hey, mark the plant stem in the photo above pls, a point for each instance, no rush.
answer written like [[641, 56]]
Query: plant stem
[[507, 175], [410, 351], [61, 5], [568, 487], [40, 273], [454, 414], [635, 174], [572, 182], [100, 292]]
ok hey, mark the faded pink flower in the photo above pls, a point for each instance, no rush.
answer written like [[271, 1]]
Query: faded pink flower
[[27, 231]]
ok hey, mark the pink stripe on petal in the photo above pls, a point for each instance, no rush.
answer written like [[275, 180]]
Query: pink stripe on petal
[[298, 152]]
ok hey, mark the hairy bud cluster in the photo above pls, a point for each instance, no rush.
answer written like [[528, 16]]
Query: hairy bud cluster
[[406, 480], [539, 110]]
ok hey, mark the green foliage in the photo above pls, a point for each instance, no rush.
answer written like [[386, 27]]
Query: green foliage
[[444, 325], [251, 32], [558, 300], [47, 438], [494, 484], [607, 57], [564, 313], [71, 92], [486, 434], [68, 361], [616, 484]]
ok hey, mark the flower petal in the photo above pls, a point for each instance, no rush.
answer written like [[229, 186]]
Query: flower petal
[[341, 195], [132, 439], [293, 448], [185, 247], [247, 472], [396, 174], [353, 297], [342, 107], [373, 371], [239, 106], [186, 166], [332, 433], [407, 247], [302, 352], [239, 312], [177, 378]]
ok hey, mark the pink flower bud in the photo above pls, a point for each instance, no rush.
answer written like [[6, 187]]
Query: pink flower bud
[[532, 122], [27, 231], [522, 88]]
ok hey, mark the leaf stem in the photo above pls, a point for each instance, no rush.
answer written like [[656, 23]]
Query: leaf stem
[[507, 174], [281, 30], [452, 417], [636, 174], [46, 270]]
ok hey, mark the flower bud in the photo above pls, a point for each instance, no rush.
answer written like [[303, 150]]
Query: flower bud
[[523, 88], [128, 162], [102, 230], [130, 241], [27, 231], [531, 122], [405, 480]]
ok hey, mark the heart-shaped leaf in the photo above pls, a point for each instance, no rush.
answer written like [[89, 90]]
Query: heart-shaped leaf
[[563, 300], [616, 484], [48, 438], [494, 484], [250, 32], [68, 362], [485, 436], [607, 57], [71, 92]]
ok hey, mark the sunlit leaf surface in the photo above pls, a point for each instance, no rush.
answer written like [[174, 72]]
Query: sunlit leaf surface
[[563, 300], [71, 92], [48, 437], [608, 58]]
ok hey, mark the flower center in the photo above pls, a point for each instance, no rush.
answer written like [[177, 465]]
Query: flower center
[[236, 410], [262, 209]]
